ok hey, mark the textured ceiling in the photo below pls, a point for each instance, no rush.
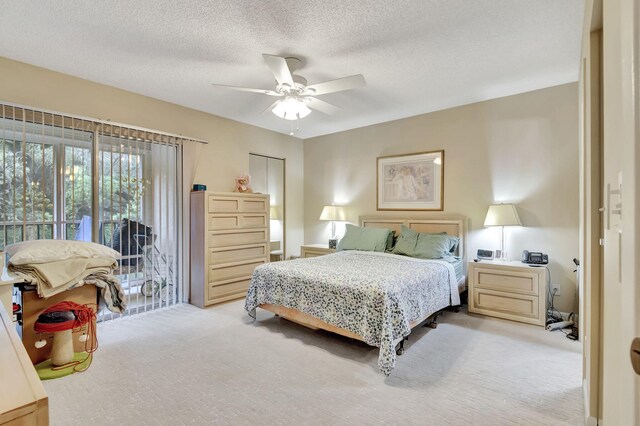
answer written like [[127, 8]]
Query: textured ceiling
[[416, 55]]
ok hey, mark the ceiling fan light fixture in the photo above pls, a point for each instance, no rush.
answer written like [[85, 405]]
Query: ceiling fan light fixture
[[291, 108], [296, 99]]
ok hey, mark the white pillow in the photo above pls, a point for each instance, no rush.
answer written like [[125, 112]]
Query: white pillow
[[44, 251]]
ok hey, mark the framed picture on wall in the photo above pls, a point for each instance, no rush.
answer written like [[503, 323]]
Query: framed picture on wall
[[411, 181]]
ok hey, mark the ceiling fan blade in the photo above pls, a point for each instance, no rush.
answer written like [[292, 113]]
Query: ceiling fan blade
[[247, 89], [270, 107], [279, 68], [322, 106], [338, 85]]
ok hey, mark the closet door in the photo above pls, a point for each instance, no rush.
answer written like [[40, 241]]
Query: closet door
[[268, 177]]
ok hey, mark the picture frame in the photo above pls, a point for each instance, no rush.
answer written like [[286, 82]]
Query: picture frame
[[411, 181]]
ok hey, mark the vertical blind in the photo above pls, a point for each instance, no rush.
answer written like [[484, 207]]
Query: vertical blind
[[73, 178]]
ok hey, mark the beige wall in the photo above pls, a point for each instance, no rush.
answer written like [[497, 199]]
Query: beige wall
[[521, 149], [216, 164]]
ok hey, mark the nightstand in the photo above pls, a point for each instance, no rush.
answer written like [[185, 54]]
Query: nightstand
[[276, 254], [314, 250], [509, 290]]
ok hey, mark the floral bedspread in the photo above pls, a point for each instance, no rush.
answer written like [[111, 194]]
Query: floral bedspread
[[375, 295]]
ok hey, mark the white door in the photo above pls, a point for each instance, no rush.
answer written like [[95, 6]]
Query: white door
[[621, 160]]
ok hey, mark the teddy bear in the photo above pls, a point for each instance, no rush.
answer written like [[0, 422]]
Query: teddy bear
[[242, 184]]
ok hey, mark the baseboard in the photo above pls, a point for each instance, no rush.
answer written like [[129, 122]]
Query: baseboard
[[588, 420]]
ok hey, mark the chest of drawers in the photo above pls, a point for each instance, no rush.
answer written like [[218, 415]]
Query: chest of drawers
[[229, 238]]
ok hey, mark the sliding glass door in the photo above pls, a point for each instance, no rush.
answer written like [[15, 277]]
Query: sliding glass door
[[138, 208], [67, 178]]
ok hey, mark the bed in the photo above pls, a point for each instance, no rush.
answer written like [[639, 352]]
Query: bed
[[369, 296]]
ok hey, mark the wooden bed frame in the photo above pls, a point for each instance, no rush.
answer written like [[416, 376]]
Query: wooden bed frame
[[455, 226]]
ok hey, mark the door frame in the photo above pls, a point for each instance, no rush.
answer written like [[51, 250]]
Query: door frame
[[610, 319], [590, 268]]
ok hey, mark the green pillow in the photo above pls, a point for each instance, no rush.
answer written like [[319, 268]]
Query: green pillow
[[425, 245], [391, 240], [365, 239], [406, 243], [432, 246]]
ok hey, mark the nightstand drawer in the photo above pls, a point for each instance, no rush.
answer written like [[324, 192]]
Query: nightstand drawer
[[506, 305], [314, 253], [511, 281], [315, 250]]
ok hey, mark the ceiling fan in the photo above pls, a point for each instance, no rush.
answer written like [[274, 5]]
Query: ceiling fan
[[295, 98]]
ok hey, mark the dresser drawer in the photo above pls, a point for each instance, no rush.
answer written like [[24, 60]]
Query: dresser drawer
[[236, 221], [509, 281], [237, 253], [518, 307], [258, 220], [254, 205], [228, 290], [228, 271], [222, 204], [218, 204], [236, 237]]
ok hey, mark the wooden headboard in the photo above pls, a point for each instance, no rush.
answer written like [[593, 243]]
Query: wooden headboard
[[451, 225]]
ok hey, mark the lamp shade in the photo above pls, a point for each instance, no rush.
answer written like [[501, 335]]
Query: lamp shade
[[274, 213], [333, 213], [502, 215]]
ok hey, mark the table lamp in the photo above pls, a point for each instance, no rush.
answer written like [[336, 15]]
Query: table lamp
[[274, 213], [502, 215], [333, 214]]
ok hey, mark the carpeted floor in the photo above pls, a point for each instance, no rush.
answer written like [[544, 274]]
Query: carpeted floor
[[214, 366]]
